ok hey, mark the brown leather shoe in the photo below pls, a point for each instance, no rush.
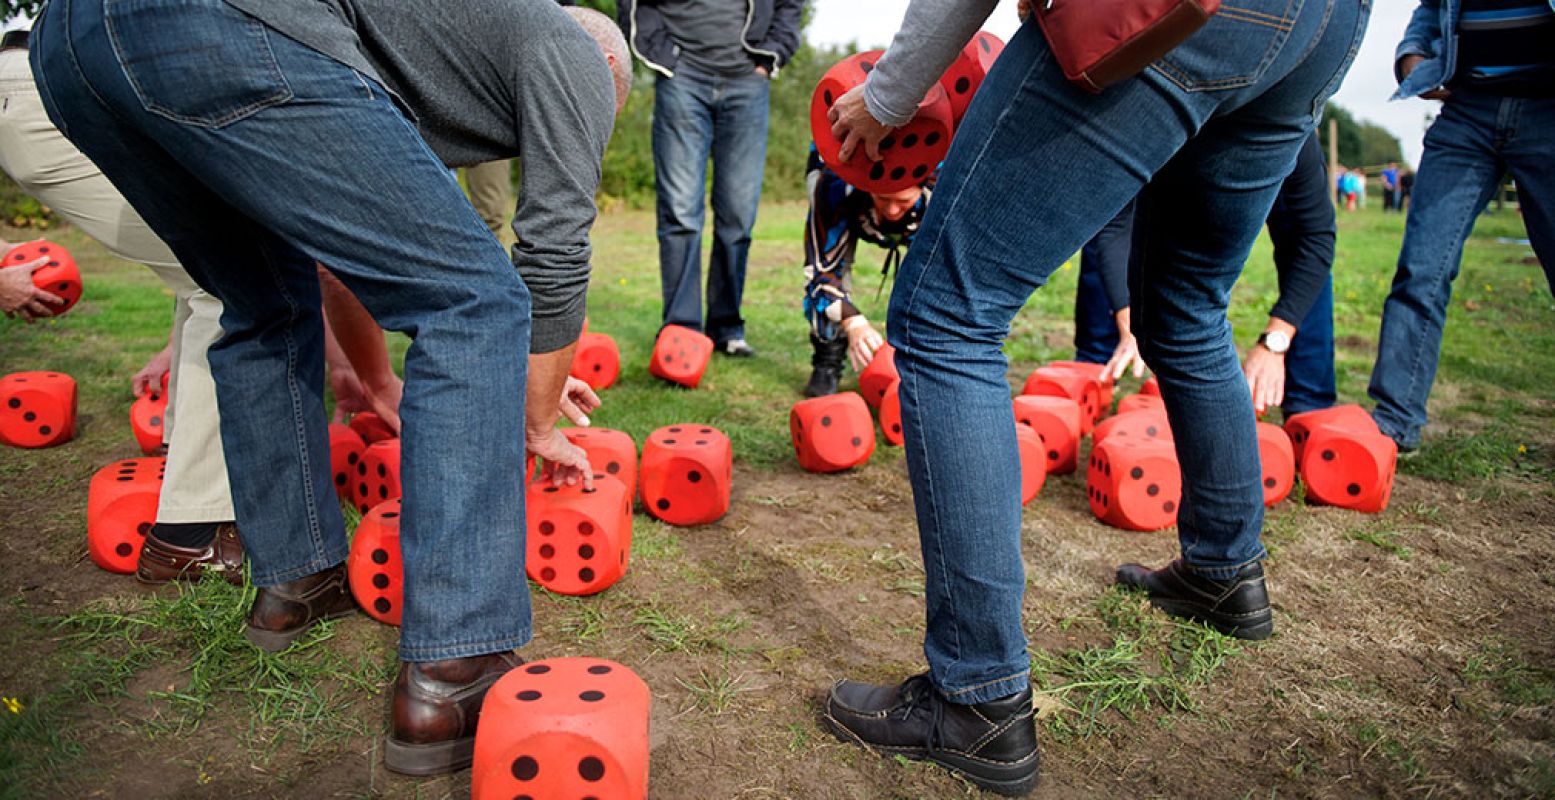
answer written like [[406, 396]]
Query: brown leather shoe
[[161, 562], [436, 705], [286, 611]]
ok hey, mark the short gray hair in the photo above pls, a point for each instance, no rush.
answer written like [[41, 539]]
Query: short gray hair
[[605, 31]]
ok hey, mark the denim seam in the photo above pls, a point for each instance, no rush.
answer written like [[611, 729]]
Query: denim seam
[[1211, 572], [1185, 81], [1255, 17], [497, 644], [1362, 17], [986, 684]]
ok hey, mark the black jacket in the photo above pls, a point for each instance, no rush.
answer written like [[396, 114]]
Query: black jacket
[[771, 32]]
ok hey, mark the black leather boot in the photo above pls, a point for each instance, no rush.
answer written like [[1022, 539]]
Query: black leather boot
[[1237, 606], [827, 365], [993, 744]]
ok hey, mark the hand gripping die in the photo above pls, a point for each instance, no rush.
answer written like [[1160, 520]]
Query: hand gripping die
[[1135, 484], [563, 728], [687, 474], [832, 433], [596, 361], [146, 415], [579, 540], [877, 378], [1278, 462], [1033, 462], [965, 75], [346, 449], [1300, 426], [680, 355], [1057, 420], [1084, 389], [610, 451], [908, 156], [374, 567], [1349, 468], [121, 507], [37, 409], [377, 475], [891, 414], [1141, 424], [59, 277]]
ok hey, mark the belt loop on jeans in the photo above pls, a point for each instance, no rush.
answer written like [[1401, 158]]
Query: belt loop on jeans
[[14, 39]]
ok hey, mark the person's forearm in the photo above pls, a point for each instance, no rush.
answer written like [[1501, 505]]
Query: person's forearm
[[359, 337], [932, 33], [542, 395]]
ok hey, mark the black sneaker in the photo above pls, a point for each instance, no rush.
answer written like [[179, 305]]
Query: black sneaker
[[992, 744], [735, 348], [1237, 606]]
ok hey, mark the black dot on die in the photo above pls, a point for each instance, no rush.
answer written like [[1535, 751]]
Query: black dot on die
[[525, 768], [1152, 490], [962, 85], [591, 696], [669, 441], [895, 428], [382, 605], [867, 66], [1136, 473], [826, 96], [910, 140], [877, 171], [380, 581], [586, 575], [380, 556], [982, 41], [586, 528], [1268, 482], [547, 551], [382, 473], [547, 574], [361, 489], [143, 528], [663, 504], [887, 143], [45, 430], [857, 441], [1168, 506], [156, 422], [1354, 490], [898, 173], [390, 514], [340, 479], [547, 528], [537, 669], [585, 551], [14, 403], [591, 768], [920, 170], [1052, 455], [529, 695], [1328, 455], [123, 550], [599, 669], [931, 138], [361, 468], [613, 467], [694, 476], [351, 458], [29, 417]]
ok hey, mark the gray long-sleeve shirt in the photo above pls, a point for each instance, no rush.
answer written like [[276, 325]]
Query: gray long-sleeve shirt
[[488, 80], [931, 36]]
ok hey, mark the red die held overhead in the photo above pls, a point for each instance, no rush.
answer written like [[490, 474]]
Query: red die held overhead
[[965, 75], [59, 277], [909, 155], [37, 409]]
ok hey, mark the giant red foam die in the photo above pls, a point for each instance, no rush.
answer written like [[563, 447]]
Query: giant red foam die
[[1134, 484], [1139, 424], [1151, 387], [1141, 402], [371, 427], [1099, 373], [579, 540], [687, 474], [832, 433], [966, 73], [1077, 385], [146, 415], [59, 277], [1349, 468], [611, 452], [1278, 461], [346, 449], [1300, 426], [1033, 462], [891, 414], [121, 507], [563, 728], [680, 355], [878, 376], [1057, 421], [596, 361], [377, 475], [374, 567], [37, 409], [908, 155]]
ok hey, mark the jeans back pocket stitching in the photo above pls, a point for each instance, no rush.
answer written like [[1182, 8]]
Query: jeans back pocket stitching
[[1184, 81]]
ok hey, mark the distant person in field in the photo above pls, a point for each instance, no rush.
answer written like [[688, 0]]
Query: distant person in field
[[330, 141], [1390, 194], [1491, 63], [840, 217]]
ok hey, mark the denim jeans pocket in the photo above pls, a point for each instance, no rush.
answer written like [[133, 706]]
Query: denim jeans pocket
[[1234, 48], [199, 62]]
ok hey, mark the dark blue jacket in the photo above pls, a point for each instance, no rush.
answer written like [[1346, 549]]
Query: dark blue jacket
[[771, 32]]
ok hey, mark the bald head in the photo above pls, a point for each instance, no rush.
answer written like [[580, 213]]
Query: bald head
[[604, 31]]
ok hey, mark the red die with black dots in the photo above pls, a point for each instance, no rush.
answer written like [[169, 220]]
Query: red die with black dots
[[891, 414], [596, 361], [374, 567], [1078, 385], [377, 476], [909, 154], [1300, 426], [1142, 424], [1033, 462], [877, 378], [579, 540], [1057, 421], [121, 507], [59, 277], [687, 474], [611, 452], [563, 728], [371, 427], [1134, 484], [146, 416], [1349, 467], [346, 449], [965, 75], [680, 356], [831, 433], [1277, 461], [37, 409]]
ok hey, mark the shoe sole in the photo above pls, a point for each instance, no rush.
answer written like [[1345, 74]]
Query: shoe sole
[[1015, 785], [1262, 626], [276, 641], [423, 760]]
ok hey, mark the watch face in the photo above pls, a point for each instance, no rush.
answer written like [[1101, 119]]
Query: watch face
[[1276, 341]]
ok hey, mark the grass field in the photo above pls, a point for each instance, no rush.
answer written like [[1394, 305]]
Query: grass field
[[1413, 655]]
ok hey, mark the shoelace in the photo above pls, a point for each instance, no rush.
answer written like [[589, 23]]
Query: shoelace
[[918, 692]]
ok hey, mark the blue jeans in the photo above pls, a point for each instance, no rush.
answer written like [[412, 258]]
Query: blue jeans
[[1215, 128], [1309, 364], [696, 115], [252, 165], [1476, 139], [1095, 327]]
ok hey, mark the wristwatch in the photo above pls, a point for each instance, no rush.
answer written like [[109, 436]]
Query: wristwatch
[[1276, 341]]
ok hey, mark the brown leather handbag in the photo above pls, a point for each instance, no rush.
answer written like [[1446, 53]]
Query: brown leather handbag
[[1101, 42]]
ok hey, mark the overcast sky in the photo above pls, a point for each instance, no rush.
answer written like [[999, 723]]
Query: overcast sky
[[1365, 92]]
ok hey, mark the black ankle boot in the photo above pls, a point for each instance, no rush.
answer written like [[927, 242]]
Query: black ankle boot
[[1237, 606], [993, 744], [827, 362]]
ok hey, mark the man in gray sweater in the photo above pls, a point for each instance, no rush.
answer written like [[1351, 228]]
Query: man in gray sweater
[[259, 137]]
